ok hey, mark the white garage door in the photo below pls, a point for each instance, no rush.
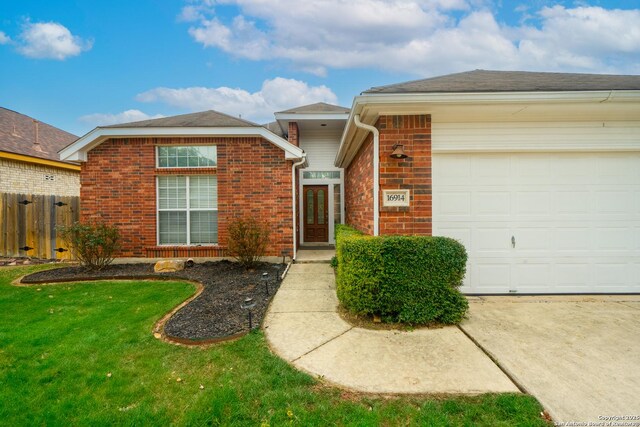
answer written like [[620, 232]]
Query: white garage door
[[542, 223]]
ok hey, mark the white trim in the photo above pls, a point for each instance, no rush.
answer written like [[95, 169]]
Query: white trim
[[329, 182], [79, 149], [313, 116], [370, 106]]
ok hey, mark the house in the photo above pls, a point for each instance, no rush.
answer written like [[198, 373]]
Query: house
[[29, 161], [38, 191], [538, 174]]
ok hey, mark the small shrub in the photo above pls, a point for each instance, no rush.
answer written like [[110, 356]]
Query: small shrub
[[94, 244], [248, 240], [334, 262], [409, 279]]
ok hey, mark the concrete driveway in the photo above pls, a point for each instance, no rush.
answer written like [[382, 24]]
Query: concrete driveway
[[579, 356]]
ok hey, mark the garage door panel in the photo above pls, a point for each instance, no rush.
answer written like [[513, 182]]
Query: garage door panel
[[572, 276], [491, 277], [578, 231], [532, 275], [573, 239], [532, 203], [614, 239], [455, 203], [572, 202]]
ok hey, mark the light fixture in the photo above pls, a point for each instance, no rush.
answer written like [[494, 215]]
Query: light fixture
[[398, 152], [265, 280], [248, 304]]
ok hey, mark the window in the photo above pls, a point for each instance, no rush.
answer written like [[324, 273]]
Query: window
[[194, 156], [188, 210], [321, 174]]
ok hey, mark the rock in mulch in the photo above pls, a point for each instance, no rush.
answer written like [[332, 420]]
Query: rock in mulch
[[214, 314]]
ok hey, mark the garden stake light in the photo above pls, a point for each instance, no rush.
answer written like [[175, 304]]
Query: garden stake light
[[248, 304], [265, 279]]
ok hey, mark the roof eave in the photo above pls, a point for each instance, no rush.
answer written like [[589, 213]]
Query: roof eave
[[347, 150], [78, 150]]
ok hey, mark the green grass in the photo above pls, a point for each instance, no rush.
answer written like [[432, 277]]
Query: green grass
[[59, 342]]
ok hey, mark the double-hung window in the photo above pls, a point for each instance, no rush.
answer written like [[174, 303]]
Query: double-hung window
[[187, 205]]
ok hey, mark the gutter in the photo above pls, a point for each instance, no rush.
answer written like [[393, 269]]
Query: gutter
[[302, 161], [376, 171]]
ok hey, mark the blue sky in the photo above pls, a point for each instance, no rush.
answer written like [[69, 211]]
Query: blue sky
[[79, 64]]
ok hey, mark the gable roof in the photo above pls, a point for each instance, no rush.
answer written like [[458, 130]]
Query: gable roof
[[317, 108], [206, 123], [208, 118], [21, 134], [512, 81]]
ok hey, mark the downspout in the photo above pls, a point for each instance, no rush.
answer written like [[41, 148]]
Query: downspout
[[293, 199], [376, 172]]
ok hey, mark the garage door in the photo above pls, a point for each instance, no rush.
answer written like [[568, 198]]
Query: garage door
[[542, 223]]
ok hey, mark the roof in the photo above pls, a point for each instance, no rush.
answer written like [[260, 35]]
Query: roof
[[208, 118], [512, 81], [18, 135], [317, 108], [275, 128], [203, 124]]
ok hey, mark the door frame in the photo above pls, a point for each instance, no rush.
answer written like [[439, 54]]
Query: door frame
[[331, 197]]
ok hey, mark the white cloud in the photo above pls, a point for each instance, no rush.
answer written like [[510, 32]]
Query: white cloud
[[101, 119], [50, 40], [4, 39], [275, 95], [425, 37]]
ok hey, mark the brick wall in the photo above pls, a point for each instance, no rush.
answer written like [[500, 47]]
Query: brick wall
[[358, 187], [119, 185], [29, 178], [294, 134], [412, 173]]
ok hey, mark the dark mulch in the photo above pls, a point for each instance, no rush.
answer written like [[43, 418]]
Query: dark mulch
[[214, 314]]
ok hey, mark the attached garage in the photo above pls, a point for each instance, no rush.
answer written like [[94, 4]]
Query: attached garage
[[537, 174], [542, 222]]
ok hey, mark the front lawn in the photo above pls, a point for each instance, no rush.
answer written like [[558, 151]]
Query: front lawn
[[83, 354]]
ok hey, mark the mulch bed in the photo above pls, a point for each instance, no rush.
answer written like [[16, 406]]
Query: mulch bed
[[215, 314]]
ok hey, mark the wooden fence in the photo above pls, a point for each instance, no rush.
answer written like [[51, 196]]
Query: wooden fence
[[28, 224]]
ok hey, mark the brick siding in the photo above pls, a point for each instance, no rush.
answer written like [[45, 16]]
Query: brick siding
[[118, 185], [31, 178], [412, 173], [358, 187]]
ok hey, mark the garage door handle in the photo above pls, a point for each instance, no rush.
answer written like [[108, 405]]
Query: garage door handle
[[513, 241]]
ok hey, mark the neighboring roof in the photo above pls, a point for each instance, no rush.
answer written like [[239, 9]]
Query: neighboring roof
[[512, 81], [208, 118], [317, 108], [18, 135], [206, 123], [275, 128]]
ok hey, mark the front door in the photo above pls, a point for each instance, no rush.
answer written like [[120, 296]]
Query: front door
[[316, 219]]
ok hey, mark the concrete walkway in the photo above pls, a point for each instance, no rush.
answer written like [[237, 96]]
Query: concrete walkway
[[303, 327]]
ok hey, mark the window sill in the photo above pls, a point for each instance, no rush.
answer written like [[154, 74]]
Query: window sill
[[177, 251]]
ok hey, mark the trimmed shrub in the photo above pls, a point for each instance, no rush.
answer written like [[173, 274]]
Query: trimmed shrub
[[94, 244], [409, 279], [248, 240]]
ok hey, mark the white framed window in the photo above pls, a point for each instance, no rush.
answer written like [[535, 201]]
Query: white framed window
[[186, 156], [187, 210]]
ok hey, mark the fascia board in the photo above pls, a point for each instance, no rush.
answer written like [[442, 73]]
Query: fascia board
[[316, 116], [343, 157], [78, 150]]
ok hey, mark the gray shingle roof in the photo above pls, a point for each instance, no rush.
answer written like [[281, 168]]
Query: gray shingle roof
[[18, 135], [513, 81], [317, 108], [203, 119]]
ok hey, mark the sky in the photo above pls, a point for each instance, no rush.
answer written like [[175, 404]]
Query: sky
[[80, 64]]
